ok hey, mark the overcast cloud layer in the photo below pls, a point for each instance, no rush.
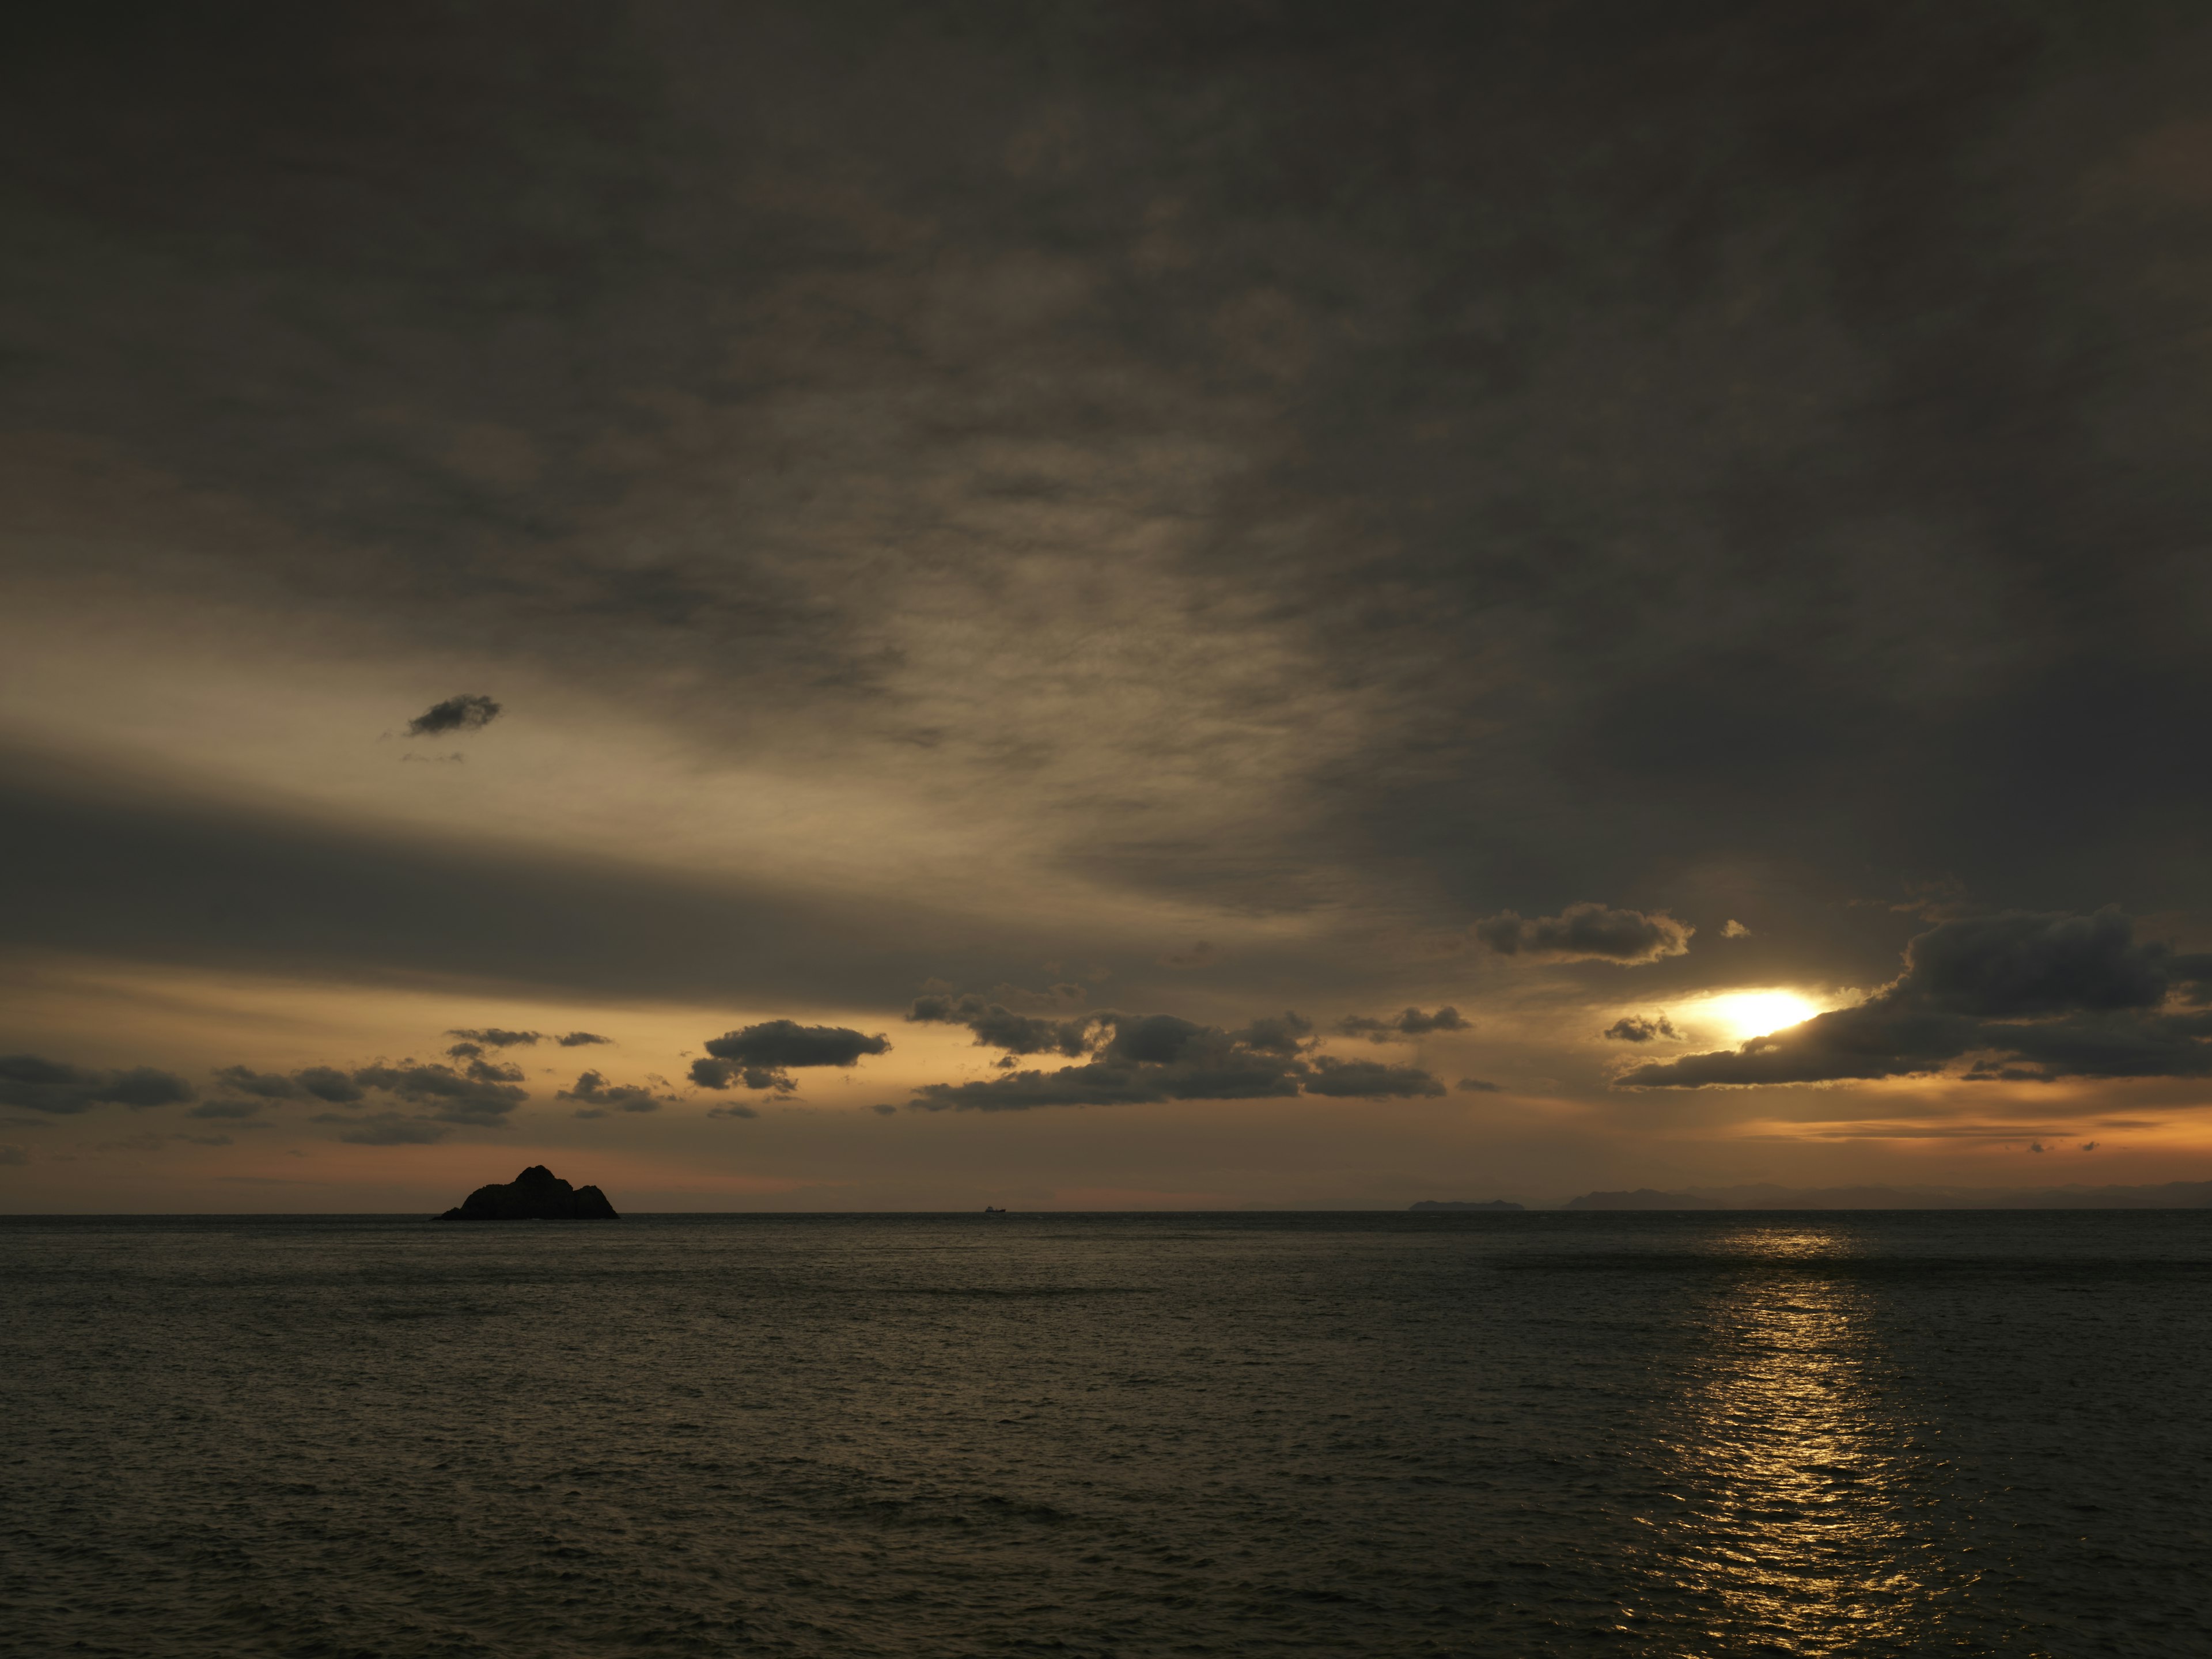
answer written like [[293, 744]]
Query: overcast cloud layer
[[1095, 605]]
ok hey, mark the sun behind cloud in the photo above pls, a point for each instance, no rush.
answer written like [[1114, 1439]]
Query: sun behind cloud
[[1738, 1016]]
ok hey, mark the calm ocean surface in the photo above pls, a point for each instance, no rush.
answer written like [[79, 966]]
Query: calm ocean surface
[[1165, 1435]]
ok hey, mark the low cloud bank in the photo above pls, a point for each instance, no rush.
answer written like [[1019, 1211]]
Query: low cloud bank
[[1139, 1059], [51, 1086]]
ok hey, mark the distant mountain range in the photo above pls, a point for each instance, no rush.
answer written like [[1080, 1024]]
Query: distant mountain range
[[2172, 1195]]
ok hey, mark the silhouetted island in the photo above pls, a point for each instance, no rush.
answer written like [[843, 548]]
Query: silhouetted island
[[536, 1194], [1465, 1204]]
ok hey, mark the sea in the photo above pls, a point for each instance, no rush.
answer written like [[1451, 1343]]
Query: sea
[[1498, 1435]]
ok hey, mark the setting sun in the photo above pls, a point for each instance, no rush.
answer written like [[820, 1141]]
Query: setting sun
[[1741, 1015]]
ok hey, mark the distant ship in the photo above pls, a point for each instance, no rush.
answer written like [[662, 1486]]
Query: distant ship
[[992, 1209]]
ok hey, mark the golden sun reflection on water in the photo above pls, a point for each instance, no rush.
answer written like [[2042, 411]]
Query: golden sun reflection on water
[[1800, 1474]]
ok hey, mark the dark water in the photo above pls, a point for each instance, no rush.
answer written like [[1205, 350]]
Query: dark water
[[1349, 1434]]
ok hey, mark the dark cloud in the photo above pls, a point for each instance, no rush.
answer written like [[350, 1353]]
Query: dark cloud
[[493, 1036], [735, 1108], [1367, 1080], [1639, 1028], [721, 1073], [1413, 1023], [466, 713], [482, 1096], [328, 1083], [1592, 933], [1276, 1033], [324, 1083], [761, 1056], [1475, 1085], [46, 1085], [596, 1096], [1137, 1059], [2016, 965], [580, 1039], [2034, 996], [996, 1026]]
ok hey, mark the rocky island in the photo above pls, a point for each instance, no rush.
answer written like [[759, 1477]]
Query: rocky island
[[536, 1194]]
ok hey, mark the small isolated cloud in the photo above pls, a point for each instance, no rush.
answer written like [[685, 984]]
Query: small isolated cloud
[[1413, 1023], [1635, 1028], [885, 1111], [596, 1097], [735, 1108], [762, 1057], [466, 713], [1200, 955], [1733, 929], [2090, 1145], [494, 1036], [580, 1039], [1586, 933], [2037, 1146], [1475, 1085], [51, 1086], [2033, 997]]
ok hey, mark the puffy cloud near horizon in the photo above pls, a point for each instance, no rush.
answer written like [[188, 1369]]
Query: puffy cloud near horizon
[[762, 1056], [1639, 1028], [1586, 933], [2033, 996], [1413, 1023], [596, 1097], [62, 1090]]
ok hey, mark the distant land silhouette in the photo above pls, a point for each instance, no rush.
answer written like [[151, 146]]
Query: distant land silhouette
[[536, 1194], [1465, 1204], [2170, 1195]]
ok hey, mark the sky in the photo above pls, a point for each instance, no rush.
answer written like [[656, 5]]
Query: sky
[[1212, 605]]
